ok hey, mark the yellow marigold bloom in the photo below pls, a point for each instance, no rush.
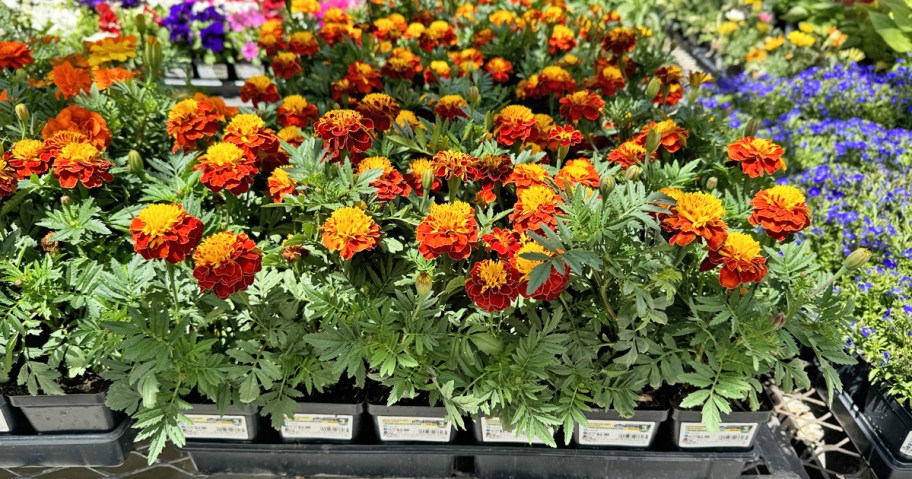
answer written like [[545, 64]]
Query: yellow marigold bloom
[[494, 275], [697, 215], [375, 163], [773, 43], [525, 266], [536, 196], [414, 30], [801, 39], [806, 27], [755, 55], [569, 60], [672, 193], [502, 17], [349, 230], [451, 106], [245, 126], [291, 134], [107, 50], [527, 174], [158, 219], [644, 31], [553, 15], [280, 184], [727, 28], [305, 6], [407, 117], [466, 10], [215, 250]]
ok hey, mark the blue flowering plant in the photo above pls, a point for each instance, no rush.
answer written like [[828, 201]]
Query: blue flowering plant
[[199, 29]]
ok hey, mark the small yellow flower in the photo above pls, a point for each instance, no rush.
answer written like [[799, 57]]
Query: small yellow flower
[[728, 28], [801, 39], [806, 27]]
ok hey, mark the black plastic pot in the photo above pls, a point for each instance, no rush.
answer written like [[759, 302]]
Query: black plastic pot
[[7, 417], [68, 450], [324, 422], [234, 424], [891, 421], [67, 412], [406, 424], [488, 430], [610, 429], [737, 431]]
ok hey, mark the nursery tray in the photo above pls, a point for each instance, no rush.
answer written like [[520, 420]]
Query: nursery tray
[[68, 450]]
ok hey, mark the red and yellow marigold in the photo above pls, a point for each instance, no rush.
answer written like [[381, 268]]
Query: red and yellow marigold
[[363, 77], [8, 180], [452, 164], [757, 156], [535, 205], [526, 175], [513, 123], [165, 231], [450, 107], [390, 184], [582, 104], [438, 33], [249, 133], [77, 119], [380, 108], [25, 157], [620, 40], [449, 229], [580, 171], [226, 263], [349, 230], [280, 184], [303, 43], [436, 69], [554, 80], [740, 259], [500, 69], [608, 80], [192, 123], [286, 65], [291, 135], [565, 136], [488, 171], [672, 136], [271, 37], [295, 110], [345, 131], [629, 153], [401, 64], [15, 55], [81, 163], [492, 285], [259, 89], [697, 216], [225, 166], [562, 40], [503, 241], [552, 287], [781, 211], [415, 176]]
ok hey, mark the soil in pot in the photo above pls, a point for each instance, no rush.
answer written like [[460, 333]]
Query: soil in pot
[[334, 415], [237, 423], [737, 430], [409, 420], [80, 409]]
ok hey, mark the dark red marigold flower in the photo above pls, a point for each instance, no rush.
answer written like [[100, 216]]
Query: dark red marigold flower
[[226, 263], [740, 259], [492, 285]]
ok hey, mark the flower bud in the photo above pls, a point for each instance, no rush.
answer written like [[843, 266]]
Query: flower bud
[[424, 283], [134, 162], [652, 141], [632, 172], [49, 245], [857, 259], [22, 112], [65, 200], [778, 320], [141, 23], [752, 127], [711, 183], [473, 96], [607, 186], [427, 180], [652, 89]]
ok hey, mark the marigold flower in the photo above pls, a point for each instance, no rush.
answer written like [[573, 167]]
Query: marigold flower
[[450, 107], [271, 37], [70, 81], [673, 137], [79, 120], [407, 117], [25, 157], [578, 172], [756, 156], [286, 65], [535, 205], [295, 110], [492, 285], [436, 69], [225, 166], [448, 229], [111, 49], [364, 78], [452, 164], [390, 184], [380, 108], [565, 136], [438, 33], [165, 231], [259, 89], [552, 287], [280, 184], [629, 153], [513, 123], [15, 55], [527, 174], [223, 111], [8, 180], [402, 64], [673, 93], [468, 60], [673, 193], [503, 241], [226, 263], [582, 104], [105, 77], [500, 69], [697, 215], [781, 211], [562, 40], [249, 133], [349, 230], [81, 162], [543, 125], [620, 40], [303, 43], [740, 259], [773, 43], [191, 121], [556, 81], [488, 170], [608, 80], [345, 131]]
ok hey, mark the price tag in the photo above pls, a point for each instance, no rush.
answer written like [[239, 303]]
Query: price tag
[[401, 428], [4, 427], [616, 433], [217, 71], [319, 426], [907, 445], [493, 431], [208, 426], [694, 434]]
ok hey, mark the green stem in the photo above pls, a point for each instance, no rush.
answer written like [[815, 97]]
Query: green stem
[[172, 282], [453, 185]]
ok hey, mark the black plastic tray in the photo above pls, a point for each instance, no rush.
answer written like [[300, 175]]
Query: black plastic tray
[[8, 422], [68, 450], [67, 413]]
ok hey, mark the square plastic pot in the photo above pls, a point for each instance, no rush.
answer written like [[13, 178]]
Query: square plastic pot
[[609, 429], [411, 424], [8, 422], [208, 424], [324, 422], [488, 430], [891, 421], [738, 430], [67, 413], [68, 450]]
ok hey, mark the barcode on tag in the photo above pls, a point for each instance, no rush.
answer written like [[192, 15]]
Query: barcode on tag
[[493, 431], [616, 433], [210, 426], [4, 427], [401, 428], [694, 434], [906, 447], [318, 426]]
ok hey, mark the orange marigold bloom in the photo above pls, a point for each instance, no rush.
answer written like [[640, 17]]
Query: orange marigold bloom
[[620, 40], [556, 81], [565, 136], [191, 122], [448, 229], [673, 137], [452, 164], [672, 94], [271, 37], [111, 49], [562, 40], [527, 174], [70, 81], [450, 107], [483, 37], [280, 184], [364, 78], [673, 193], [57, 141], [697, 215], [436, 69], [81, 162], [226, 263], [15, 55], [781, 211], [225, 166], [608, 80], [578, 172], [582, 104], [503, 241], [513, 123], [286, 65], [349, 230], [291, 135], [543, 125], [345, 131], [303, 43], [295, 110], [402, 63], [380, 108], [25, 157], [500, 69], [740, 259], [492, 285], [468, 60], [105, 77], [77, 119], [529, 88], [756, 156], [552, 287], [249, 133], [535, 205], [223, 111], [259, 89], [438, 33], [629, 153], [487, 171], [165, 231], [390, 184]]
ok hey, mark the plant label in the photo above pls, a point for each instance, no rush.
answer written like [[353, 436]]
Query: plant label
[[694, 434], [493, 431], [209, 426], [616, 433], [319, 426], [906, 447], [217, 71], [403, 428]]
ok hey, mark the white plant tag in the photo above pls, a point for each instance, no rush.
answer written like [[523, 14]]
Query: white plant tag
[[906, 447], [492, 431], [217, 71], [319, 426], [616, 433], [404, 428], [211, 426], [4, 427], [694, 434]]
